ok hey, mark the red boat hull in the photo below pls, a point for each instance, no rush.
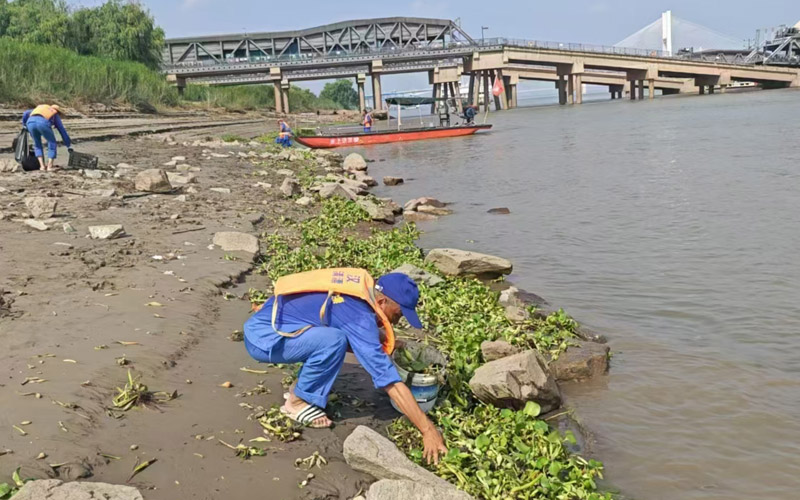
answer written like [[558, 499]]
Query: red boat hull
[[363, 139]]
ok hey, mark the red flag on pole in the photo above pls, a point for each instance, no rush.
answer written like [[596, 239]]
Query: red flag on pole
[[497, 88]]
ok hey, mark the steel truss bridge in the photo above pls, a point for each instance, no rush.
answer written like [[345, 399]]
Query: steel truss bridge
[[363, 49]]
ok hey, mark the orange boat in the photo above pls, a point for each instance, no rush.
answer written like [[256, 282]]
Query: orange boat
[[383, 137]]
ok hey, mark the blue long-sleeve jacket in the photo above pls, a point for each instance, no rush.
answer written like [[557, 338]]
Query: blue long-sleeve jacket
[[55, 121]]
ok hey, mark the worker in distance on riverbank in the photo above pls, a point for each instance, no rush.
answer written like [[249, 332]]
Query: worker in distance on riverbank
[[315, 317], [367, 120], [40, 122], [284, 134]]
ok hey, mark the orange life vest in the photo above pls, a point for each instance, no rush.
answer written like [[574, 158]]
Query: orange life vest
[[367, 120], [44, 110], [338, 281]]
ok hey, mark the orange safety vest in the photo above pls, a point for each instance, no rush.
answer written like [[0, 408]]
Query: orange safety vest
[[339, 281], [367, 120], [43, 110]]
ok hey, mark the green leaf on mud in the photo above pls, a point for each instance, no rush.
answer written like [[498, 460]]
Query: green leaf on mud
[[532, 409]]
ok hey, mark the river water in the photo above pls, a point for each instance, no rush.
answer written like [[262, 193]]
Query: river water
[[671, 226]]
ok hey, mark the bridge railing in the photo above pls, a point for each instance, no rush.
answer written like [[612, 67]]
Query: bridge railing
[[576, 47], [299, 59]]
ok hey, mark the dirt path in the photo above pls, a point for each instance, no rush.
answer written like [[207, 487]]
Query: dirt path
[[74, 298]]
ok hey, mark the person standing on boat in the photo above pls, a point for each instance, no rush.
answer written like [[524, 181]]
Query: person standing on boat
[[40, 122], [315, 317], [367, 121], [284, 134]]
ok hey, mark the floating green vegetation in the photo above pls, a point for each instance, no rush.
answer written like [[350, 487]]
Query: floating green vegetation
[[493, 453]]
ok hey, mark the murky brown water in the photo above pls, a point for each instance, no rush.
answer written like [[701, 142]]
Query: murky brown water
[[671, 226]]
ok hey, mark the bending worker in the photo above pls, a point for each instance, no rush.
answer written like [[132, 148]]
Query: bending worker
[[469, 114], [367, 121], [284, 134], [40, 122], [315, 317]]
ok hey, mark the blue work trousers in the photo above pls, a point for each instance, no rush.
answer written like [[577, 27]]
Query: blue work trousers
[[320, 349], [40, 127]]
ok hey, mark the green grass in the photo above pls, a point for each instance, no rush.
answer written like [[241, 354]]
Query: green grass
[[31, 74]]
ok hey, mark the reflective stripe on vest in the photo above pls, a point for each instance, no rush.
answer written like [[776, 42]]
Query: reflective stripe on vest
[[43, 110], [339, 281]]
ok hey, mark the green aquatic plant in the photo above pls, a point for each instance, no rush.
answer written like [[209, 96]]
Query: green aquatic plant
[[493, 453]]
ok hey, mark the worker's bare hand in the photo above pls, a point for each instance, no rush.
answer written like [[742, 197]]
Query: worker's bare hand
[[433, 446]]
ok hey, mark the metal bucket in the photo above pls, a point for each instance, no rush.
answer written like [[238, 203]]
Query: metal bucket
[[424, 387]]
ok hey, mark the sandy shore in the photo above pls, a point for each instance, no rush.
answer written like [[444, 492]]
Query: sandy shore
[[74, 299]]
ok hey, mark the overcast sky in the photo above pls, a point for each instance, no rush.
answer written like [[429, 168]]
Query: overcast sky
[[604, 22], [588, 21]]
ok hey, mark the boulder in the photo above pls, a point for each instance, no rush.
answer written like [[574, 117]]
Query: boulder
[[419, 275], [36, 224], [429, 209], [432, 202], [499, 211], [8, 165], [392, 181], [54, 489], [355, 162], [177, 179], [285, 172], [456, 262], [418, 217], [375, 211], [106, 232], [178, 158], [232, 241], [41, 207], [304, 201], [512, 381], [290, 187], [367, 451], [365, 179], [329, 190], [394, 489], [580, 362], [95, 174], [510, 297], [153, 180], [517, 314], [497, 349]]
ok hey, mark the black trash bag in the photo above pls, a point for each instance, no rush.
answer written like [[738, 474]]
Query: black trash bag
[[23, 152]]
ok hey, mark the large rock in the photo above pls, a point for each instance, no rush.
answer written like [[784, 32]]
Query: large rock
[[431, 202], [153, 180], [290, 187], [512, 381], [54, 489], [375, 211], [418, 217], [419, 275], [497, 349], [36, 224], [580, 362], [232, 241], [392, 181], [41, 207], [428, 209], [367, 451], [394, 489], [355, 162], [456, 262], [106, 232], [177, 179], [365, 179], [329, 190]]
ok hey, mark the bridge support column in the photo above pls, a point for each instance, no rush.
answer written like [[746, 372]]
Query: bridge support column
[[377, 95], [702, 89], [456, 91], [578, 89], [711, 89], [179, 81], [362, 102], [486, 91], [570, 89], [278, 97], [651, 88], [632, 89], [641, 90], [561, 85], [471, 93], [285, 94], [501, 101]]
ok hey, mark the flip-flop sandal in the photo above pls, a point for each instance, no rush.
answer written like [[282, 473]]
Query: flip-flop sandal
[[306, 416]]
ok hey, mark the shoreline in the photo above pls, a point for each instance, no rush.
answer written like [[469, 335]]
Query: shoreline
[[167, 365]]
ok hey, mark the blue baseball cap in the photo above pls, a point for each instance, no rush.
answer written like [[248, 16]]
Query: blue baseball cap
[[403, 290]]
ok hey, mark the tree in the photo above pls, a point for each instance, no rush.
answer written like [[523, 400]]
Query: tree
[[342, 93]]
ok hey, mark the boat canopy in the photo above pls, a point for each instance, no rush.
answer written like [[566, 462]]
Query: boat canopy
[[411, 101]]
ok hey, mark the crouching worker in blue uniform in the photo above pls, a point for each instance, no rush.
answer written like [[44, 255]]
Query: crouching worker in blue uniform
[[315, 317], [284, 134]]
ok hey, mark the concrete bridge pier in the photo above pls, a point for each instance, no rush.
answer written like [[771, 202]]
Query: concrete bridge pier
[[651, 88], [285, 86], [178, 81], [362, 101], [377, 95], [510, 82]]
